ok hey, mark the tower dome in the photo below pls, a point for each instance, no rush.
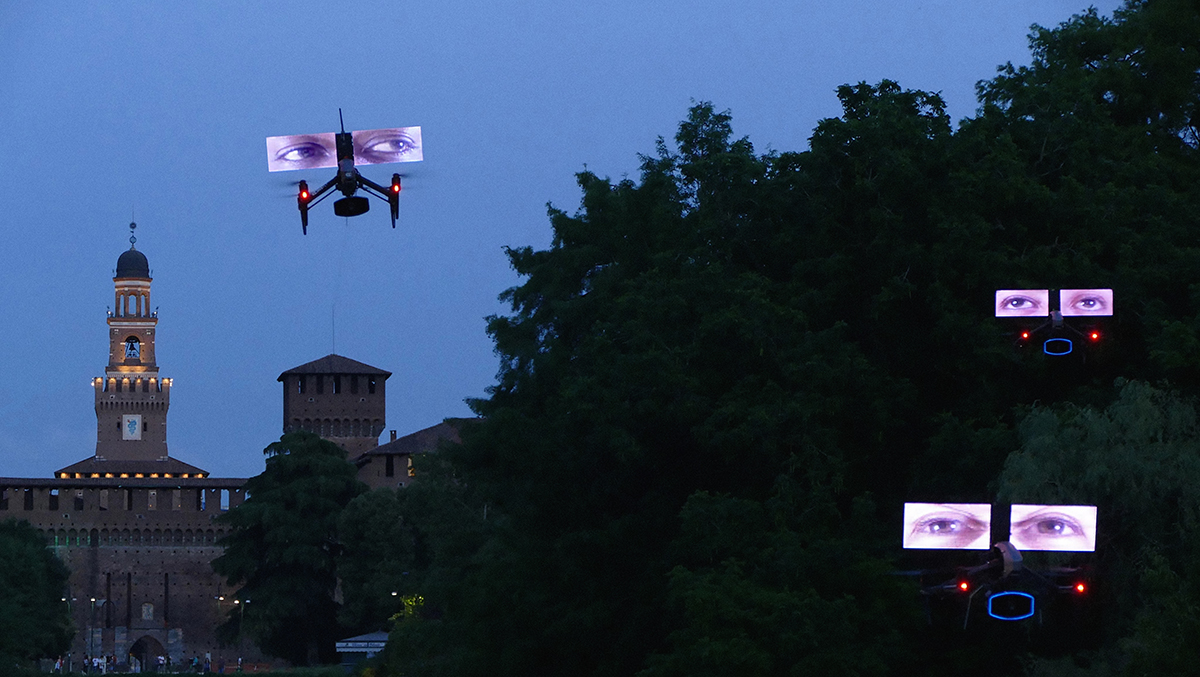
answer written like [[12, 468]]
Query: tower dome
[[133, 263]]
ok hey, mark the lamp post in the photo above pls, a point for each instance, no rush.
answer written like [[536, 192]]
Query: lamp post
[[91, 634], [71, 614], [241, 605]]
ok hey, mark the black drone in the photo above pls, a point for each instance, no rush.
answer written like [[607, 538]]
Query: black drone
[[313, 151], [1008, 589]]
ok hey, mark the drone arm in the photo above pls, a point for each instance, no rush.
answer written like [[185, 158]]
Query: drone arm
[[306, 199], [392, 196], [372, 187], [322, 192]]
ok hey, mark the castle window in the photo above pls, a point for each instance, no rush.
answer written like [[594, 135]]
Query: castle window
[[29, 499], [224, 499], [300, 385], [104, 499], [152, 500], [370, 385], [54, 499], [129, 499], [177, 499], [119, 383], [147, 612], [158, 385], [389, 469], [412, 472], [320, 384], [200, 502], [337, 385], [79, 499], [354, 384], [3, 499], [145, 385]]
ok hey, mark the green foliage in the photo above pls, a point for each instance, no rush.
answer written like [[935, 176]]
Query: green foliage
[[283, 545], [720, 382], [781, 587], [34, 621], [378, 554], [1138, 461]]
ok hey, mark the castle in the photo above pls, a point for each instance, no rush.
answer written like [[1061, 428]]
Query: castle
[[135, 526]]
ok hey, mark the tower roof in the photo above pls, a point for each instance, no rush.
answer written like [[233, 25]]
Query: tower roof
[[133, 263], [100, 466], [335, 364]]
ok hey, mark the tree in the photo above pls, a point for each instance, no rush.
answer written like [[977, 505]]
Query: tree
[[1138, 461], [34, 621], [710, 366], [283, 546]]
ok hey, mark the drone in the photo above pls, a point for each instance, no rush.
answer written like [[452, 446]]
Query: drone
[[1010, 590], [1056, 331], [315, 151]]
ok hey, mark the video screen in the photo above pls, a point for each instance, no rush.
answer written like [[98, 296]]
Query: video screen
[[947, 526], [1076, 302], [371, 147], [1065, 528], [1022, 302]]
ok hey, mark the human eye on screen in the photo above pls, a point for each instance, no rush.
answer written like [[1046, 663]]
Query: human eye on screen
[[304, 153], [388, 147], [1052, 529], [1018, 303], [944, 527], [1087, 303]]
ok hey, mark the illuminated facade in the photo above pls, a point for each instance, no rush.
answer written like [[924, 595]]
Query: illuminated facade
[[134, 526]]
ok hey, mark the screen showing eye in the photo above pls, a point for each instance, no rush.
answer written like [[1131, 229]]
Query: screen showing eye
[[947, 526], [1022, 302], [1067, 528], [1075, 302], [371, 147]]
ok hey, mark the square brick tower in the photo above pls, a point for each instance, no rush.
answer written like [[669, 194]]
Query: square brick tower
[[337, 398]]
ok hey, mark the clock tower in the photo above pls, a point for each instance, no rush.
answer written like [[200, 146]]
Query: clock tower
[[131, 398]]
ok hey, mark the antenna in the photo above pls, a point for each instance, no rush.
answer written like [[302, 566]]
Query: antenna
[[340, 121]]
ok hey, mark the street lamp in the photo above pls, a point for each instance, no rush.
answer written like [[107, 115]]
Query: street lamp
[[241, 605], [91, 634]]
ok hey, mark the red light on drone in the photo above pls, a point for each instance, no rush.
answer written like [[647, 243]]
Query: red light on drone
[[1095, 336], [964, 586], [1024, 335], [1080, 588]]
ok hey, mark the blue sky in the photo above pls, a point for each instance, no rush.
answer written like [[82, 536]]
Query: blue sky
[[161, 109]]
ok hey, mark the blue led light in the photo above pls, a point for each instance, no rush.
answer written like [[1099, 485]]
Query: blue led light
[[1061, 346], [1011, 609]]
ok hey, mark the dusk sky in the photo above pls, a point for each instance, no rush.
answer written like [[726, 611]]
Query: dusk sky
[[160, 111]]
